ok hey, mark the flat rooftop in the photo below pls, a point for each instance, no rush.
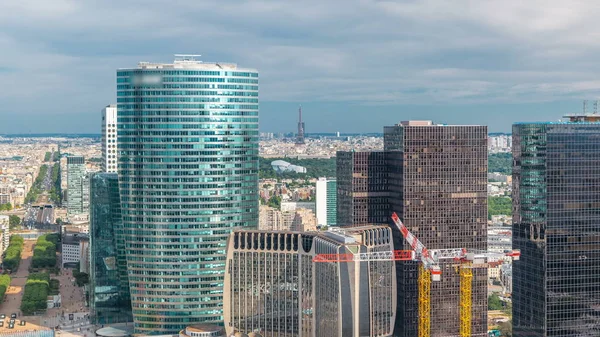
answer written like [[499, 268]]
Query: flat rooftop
[[190, 61]]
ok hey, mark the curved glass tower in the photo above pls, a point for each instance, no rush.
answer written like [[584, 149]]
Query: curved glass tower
[[188, 176]]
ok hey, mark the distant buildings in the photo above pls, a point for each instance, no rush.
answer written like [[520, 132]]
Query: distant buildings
[[326, 201], [75, 185], [362, 189], [109, 138], [499, 143], [556, 217], [298, 219], [281, 166], [109, 288], [188, 176], [4, 232], [274, 287]]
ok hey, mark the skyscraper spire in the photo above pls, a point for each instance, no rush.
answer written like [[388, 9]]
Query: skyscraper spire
[[300, 137]]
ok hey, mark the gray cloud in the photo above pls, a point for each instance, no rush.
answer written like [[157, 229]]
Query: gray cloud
[[64, 53]]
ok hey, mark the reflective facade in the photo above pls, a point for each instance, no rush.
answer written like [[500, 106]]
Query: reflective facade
[[326, 201], [75, 185], [273, 286], [187, 137], [362, 191], [437, 184], [556, 225], [109, 289]]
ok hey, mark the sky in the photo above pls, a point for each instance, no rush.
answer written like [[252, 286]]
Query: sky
[[353, 65]]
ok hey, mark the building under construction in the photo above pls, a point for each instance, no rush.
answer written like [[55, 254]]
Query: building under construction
[[437, 183]]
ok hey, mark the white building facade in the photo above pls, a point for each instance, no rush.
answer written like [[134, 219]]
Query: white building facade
[[109, 138]]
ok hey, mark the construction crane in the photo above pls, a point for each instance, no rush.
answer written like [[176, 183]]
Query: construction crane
[[429, 270]]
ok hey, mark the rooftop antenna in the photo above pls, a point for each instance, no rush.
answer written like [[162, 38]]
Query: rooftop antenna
[[595, 107], [585, 102]]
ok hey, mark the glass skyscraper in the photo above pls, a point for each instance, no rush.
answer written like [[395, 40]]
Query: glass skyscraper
[[188, 174], [75, 185], [556, 225], [109, 299]]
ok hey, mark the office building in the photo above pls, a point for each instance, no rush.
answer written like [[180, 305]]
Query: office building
[[4, 232], [326, 197], [188, 176], [437, 179], [362, 196], [75, 185], [71, 248], [556, 225], [109, 288], [273, 287], [109, 138]]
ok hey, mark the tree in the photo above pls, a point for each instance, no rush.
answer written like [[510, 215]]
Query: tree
[[275, 202], [500, 162], [494, 302], [13, 221]]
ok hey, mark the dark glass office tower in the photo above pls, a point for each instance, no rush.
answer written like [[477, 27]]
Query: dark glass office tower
[[556, 225], [437, 184], [362, 196], [109, 290]]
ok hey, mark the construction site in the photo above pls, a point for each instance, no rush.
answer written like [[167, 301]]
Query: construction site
[[462, 260]]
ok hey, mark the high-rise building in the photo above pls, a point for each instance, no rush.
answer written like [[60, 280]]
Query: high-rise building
[[109, 138], [109, 288], [273, 287], [188, 176], [326, 197], [4, 232], [362, 191], [75, 185], [556, 217], [437, 179]]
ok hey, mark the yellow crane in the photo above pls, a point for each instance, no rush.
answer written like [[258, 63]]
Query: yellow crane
[[429, 270]]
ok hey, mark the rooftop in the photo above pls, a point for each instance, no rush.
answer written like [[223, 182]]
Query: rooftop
[[190, 61]]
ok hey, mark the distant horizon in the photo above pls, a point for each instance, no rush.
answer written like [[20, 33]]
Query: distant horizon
[[97, 135]]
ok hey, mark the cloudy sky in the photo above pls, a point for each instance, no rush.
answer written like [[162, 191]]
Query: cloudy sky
[[354, 65]]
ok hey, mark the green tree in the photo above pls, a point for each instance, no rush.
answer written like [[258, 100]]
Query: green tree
[[500, 162], [499, 206], [4, 284], [14, 221], [275, 202], [494, 302]]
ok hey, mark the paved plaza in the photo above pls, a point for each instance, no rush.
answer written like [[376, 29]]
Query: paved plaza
[[73, 301]]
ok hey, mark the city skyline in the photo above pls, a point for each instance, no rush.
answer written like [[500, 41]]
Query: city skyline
[[352, 68]]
